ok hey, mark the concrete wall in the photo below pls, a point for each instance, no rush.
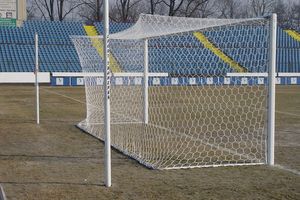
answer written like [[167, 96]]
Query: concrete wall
[[22, 14], [23, 77], [77, 79]]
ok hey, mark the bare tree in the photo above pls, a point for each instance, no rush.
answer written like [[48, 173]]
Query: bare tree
[[30, 10], [173, 6], [60, 9], [65, 7], [125, 10], [46, 8], [197, 8], [262, 7], [207, 9], [288, 14], [228, 8], [153, 5], [91, 10], [295, 15], [282, 11]]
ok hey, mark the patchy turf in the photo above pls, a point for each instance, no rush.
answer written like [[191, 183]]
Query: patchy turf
[[55, 160]]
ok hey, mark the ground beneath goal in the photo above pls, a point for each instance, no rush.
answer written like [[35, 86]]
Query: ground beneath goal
[[58, 161]]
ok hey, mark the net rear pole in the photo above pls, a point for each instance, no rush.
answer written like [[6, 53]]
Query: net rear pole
[[107, 96], [36, 70], [146, 103], [271, 99]]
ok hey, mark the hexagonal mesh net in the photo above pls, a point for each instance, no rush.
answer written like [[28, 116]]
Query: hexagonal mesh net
[[174, 103]]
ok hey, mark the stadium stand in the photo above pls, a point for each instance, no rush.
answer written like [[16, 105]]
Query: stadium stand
[[288, 51], [248, 57], [114, 27], [57, 53], [98, 44]]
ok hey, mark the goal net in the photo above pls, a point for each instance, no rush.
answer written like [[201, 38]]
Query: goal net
[[184, 92]]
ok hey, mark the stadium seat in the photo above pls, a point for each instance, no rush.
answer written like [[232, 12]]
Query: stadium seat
[[57, 53]]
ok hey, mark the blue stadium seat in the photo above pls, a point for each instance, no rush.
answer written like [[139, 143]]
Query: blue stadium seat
[[57, 53]]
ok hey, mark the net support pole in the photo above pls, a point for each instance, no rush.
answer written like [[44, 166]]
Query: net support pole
[[107, 96], [271, 99], [36, 70], [146, 75]]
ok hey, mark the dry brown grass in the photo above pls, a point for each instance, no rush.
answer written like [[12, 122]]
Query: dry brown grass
[[57, 161]]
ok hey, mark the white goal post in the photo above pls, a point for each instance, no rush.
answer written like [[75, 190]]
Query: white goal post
[[272, 84], [106, 99], [194, 116], [36, 73]]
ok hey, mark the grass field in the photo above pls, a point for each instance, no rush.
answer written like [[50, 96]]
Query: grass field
[[55, 160]]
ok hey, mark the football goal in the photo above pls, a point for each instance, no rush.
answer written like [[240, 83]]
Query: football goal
[[172, 101]]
